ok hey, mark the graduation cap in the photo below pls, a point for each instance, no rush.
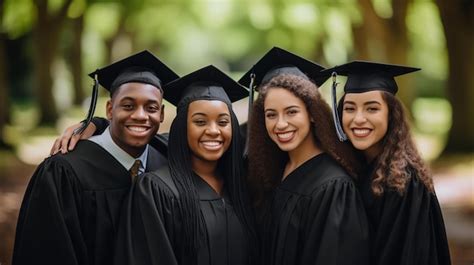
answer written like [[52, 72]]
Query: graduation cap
[[364, 76], [142, 67], [279, 61], [208, 83]]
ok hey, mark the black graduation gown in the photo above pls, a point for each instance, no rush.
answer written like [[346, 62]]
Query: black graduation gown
[[151, 230], [71, 208], [316, 216], [405, 229]]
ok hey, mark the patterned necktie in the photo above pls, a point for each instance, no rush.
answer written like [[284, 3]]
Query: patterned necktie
[[134, 169]]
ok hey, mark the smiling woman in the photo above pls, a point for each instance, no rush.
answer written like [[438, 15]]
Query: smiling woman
[[365, 121], [405, 218], [198, 212], [288, 123], [311, 210], [209, 130]]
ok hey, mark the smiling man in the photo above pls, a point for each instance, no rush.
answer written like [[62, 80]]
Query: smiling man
[[72, 205]]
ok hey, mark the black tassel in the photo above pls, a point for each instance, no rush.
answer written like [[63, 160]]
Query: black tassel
[[90, 114], [340, 132], [251, 93]]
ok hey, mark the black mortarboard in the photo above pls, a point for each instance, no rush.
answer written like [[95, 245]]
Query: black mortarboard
[[142, 67], [207, 83], [279, 61], [364, 76]]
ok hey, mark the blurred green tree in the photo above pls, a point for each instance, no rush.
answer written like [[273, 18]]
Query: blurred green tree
[[75, 59], [381, 35], [4, 83], [187, 34], [458, 22], [47, 30]]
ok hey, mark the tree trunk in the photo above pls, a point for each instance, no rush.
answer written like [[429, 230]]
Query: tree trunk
[[398, 46], [4, 84], [4, 95], [46, 35], [385, 40], [457, 17], [76, 60]]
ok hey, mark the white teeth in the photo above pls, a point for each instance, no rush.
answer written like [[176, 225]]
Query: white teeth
[[361, 132], [137, 129], [285, 136], [211, 143]]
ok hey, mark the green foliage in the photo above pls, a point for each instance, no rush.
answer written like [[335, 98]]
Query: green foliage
[[55, 5], [103, 19], [77, 8], [19, 16], [428, 42], [432, 123], [383, 8], [432, 115], [338, 42], [188, 34]]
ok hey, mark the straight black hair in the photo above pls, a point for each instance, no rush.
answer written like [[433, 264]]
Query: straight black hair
[[231, 167]]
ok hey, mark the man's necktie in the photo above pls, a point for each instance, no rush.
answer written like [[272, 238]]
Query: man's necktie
[[134, 169]]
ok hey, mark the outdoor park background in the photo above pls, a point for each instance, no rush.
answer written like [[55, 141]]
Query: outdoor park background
[[47, 48]]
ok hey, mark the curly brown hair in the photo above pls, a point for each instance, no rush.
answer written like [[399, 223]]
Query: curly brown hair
[[266, 160], [399, 159]]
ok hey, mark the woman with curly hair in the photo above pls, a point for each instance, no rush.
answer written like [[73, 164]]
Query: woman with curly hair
[[404, 214], [311, 211]]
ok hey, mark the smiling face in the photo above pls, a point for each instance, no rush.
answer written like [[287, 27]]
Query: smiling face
[[287, 120], [365, 121], [135, 113], [209, 129]]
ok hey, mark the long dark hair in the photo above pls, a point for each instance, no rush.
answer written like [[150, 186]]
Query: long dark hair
[[266, 160], [231, 167], [399, 159]]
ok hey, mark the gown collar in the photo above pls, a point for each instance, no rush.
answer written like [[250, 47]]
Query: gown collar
[[205, 191], [296, 177]]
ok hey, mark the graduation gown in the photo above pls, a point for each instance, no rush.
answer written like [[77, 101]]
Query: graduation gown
[[151, 230], [405, 229], [316, 216], [71, 208]]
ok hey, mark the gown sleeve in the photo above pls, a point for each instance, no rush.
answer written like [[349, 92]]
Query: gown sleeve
[[146, 233], [48, 229], [336, 230], [411, 228], [101, 124]]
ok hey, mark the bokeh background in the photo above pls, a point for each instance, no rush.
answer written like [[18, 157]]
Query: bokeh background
[[47, 48]]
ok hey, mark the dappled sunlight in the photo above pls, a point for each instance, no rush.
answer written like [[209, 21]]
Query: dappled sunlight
[[454, 181], [232, 35], [429, 146], [455, 190], [10, 202], [35, 149]]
